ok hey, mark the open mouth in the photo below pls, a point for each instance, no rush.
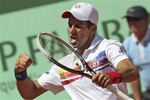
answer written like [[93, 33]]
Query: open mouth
[[73, 41]]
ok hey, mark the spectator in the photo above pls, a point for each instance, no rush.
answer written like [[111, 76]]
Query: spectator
[[137, 46]]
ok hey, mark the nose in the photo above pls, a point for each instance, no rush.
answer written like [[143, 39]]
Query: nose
[[72, 29]]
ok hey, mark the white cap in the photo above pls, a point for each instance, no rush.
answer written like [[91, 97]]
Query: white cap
[[83, 12]]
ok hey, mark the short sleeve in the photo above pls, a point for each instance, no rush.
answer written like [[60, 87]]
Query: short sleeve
[[50, 81], [115, 52]]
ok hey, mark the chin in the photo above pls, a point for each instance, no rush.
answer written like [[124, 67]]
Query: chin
[[74, 45]]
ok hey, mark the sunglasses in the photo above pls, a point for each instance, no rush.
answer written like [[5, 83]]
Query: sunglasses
[[130, 19]]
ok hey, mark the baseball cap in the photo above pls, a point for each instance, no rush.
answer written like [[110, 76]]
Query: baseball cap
[[136, 12], [83, 12]]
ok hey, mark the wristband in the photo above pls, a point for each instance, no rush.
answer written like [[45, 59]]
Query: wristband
[[20, 76], [115, 76]]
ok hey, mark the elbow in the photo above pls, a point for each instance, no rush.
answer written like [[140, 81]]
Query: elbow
[[131, 75], [27, 97], [134, 75], [137, 75]]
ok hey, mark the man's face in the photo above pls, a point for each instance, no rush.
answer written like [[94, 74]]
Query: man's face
[[80, 34], [138, 26]]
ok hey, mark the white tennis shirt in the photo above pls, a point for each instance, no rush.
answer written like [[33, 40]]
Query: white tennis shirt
[[103, 55]]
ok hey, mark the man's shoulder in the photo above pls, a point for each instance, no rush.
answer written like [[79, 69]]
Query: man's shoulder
[[111, 41], [128, 39], [107, 42]]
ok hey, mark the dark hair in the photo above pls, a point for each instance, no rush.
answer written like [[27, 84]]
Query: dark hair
[[89, 24]]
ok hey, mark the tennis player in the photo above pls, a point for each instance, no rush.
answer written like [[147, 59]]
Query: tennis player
[[106, 57]]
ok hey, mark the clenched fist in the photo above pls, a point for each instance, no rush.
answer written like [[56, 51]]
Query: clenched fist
[[23, 62], [102, 79]]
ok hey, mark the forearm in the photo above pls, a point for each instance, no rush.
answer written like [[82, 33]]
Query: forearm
[[128, 71], [26, 88], [24, 84], [129, 76], [136, 89]]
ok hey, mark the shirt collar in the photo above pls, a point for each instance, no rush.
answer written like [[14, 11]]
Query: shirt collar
[[146, 37], [97, 39]]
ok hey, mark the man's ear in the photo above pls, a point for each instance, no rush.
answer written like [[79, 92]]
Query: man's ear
[[94, 28]]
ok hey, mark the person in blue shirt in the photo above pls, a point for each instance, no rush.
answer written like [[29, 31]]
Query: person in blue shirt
[[137, 46]]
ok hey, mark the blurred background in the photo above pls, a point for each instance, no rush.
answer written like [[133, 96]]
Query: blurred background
[[22, 20]]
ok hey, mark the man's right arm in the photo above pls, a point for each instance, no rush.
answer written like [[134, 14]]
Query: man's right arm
[[27, 88]]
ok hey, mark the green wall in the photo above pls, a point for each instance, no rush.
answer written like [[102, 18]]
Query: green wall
[[22, 20]]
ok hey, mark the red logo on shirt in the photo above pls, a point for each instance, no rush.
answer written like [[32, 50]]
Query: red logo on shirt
[[122, 49], [77, 6]]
